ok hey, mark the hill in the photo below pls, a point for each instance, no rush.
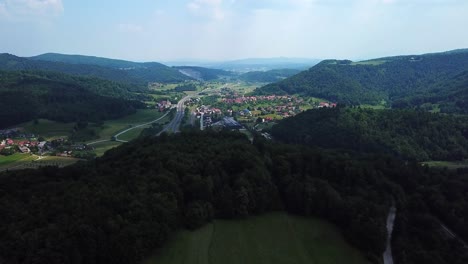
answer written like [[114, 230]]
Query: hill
[[141, 71], [203, 74], [28, 95], [371, 82], [404, 133], [268, 76], [122, 207], [96, 67]]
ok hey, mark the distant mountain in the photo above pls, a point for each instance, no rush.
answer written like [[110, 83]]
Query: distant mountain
[[90, 60], [110, 69], [389, 79], [268, 76], [27, 95], [203, 74], [253, 64]]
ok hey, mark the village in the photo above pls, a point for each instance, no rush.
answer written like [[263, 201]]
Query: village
[[212, 109], [16, 140]]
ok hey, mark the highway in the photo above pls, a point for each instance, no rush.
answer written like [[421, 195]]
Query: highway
[[174, 125]]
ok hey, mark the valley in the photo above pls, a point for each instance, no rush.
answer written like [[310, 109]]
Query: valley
[[200, 165]]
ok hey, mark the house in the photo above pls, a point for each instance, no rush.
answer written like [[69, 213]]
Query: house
[[9, 141], [24, 149]]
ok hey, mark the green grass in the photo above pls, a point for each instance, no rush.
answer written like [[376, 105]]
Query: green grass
[[17, 157], [101, 148], [272, 238], [27, 161], [48, 129], [452, 165], [112, 127]]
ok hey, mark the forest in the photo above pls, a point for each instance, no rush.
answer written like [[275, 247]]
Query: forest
[[123, 206], [140, 74], [29, 95], [406, 134], [268, 76], [391, 80]]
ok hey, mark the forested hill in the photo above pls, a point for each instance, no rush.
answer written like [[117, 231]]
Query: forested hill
[[139, 77], [204, 74], [142, 71], [406, 134], [25, 96], [124, 206], [370, 82], [268, 76]]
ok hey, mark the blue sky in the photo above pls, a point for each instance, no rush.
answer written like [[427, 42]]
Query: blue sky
[[157, 30]]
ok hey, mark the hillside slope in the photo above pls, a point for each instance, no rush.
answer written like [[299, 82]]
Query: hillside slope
[[268, 76], [96, 67], [406, 134], [370, 82], [25, 96], [142, 71]]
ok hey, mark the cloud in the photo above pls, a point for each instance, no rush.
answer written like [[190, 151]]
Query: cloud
[[19, 9]]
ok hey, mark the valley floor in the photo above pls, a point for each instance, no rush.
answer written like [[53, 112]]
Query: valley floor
[[271, 238]]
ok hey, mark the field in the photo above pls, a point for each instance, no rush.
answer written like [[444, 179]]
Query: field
[[271, 238], [102, 147], [27, 161], [111, 127], [48, 129], [451, 165], [6, 161]]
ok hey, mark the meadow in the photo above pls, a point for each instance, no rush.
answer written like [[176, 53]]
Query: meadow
[[271, 238]]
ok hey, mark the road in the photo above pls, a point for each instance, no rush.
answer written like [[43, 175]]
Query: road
[[174, 125], [453, 235], [116, 136], [387, 256]]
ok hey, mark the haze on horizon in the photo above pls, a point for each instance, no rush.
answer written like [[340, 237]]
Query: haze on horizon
[[148, 30]]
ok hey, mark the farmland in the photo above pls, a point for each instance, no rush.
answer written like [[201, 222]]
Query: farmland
[[271, 238]]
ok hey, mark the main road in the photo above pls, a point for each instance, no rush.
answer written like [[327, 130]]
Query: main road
[[174, 125]]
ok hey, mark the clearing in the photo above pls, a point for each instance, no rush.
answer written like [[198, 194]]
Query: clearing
[[270, 238]]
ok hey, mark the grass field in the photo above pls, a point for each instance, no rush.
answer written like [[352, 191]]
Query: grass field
[[112, 127], [101, 148], [17, 157], [272, 238], [48, 129], [27, 161], [452, 165]]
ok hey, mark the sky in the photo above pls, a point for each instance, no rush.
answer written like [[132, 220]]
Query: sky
[[171, 30]]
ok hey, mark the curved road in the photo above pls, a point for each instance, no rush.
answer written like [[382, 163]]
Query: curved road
[[116, 136]]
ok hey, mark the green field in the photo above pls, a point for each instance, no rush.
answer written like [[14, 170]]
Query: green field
[[112, 127], [452, 165], [272, 238], [6, 161], [48, 129], [27, 161], [102, 147]]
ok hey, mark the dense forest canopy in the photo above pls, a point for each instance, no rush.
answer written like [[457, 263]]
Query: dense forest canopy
[[204, 74], [389, 79], [407, 134], [25, 96], [268, 76], [123, 206]]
